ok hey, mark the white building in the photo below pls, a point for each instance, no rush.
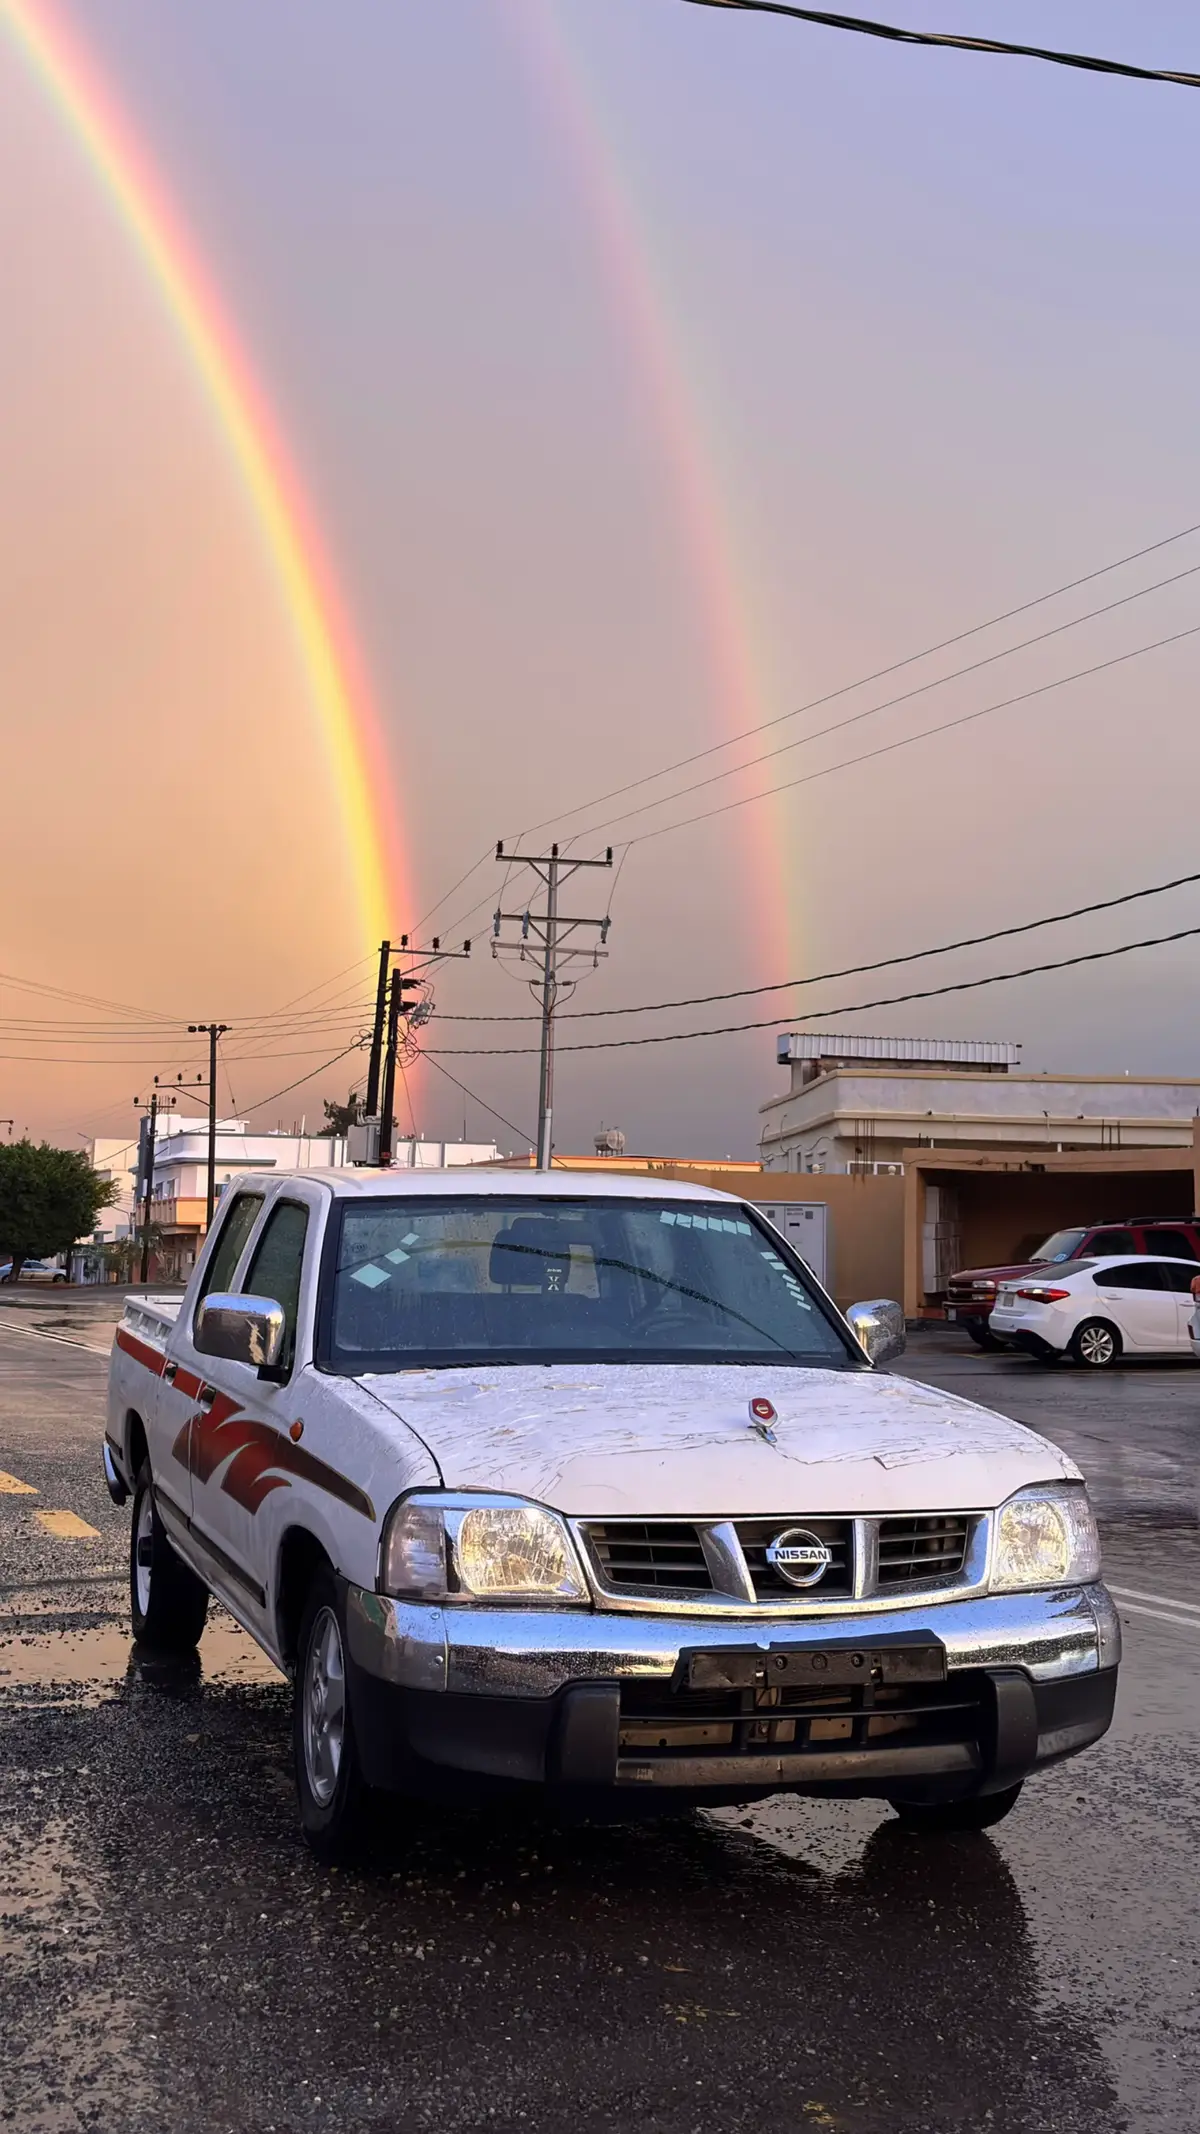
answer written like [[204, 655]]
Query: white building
[[179, 1197], [856, 1103]]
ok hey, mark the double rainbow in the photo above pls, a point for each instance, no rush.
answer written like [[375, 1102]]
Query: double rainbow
[[338, 687]]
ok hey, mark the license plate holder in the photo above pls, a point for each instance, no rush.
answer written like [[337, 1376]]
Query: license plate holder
[[837, 1663]]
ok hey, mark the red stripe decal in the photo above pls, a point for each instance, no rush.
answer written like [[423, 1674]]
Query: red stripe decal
[[141, 1351]]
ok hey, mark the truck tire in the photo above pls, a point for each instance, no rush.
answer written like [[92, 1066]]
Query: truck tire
[[1096, 1345], [167, 1602], [981, 1812], [333, 1796]]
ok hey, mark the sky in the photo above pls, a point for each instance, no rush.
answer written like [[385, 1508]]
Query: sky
[[650, 372]]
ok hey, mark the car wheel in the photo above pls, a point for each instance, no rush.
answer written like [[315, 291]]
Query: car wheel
[[984, 1338], [1096, 1345], [981, 1812], [332, 1792], [167, 1602]]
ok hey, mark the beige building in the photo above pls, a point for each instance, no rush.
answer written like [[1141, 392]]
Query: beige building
[[857, 1104]]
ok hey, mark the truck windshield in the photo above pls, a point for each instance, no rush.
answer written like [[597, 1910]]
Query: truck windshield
[[500, 1279], [1062, 1246]]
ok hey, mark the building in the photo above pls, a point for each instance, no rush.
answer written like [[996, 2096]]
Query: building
[[856, 1104], [179, 1196], [929, 1155], [115, 1158]]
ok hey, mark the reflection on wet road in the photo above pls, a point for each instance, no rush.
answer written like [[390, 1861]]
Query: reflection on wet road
[[171, 1956]]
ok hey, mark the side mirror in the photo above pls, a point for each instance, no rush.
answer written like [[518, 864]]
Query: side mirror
[[879, 1326], [241, 1330]]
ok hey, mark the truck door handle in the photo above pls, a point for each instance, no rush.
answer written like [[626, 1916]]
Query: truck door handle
[[169, 1370], [208, 1395]]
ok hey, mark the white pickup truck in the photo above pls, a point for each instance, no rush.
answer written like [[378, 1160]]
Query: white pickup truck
[[583, 1482]]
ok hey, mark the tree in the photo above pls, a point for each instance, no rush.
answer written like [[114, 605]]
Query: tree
[[49, 1198], [339, 1118]]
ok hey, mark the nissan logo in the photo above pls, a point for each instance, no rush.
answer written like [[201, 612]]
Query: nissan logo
[[799, 1556]]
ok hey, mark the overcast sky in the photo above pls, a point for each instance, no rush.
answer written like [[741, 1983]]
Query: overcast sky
[[651, 372]]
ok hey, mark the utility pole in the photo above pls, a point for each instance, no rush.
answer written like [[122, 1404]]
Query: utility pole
[[381, 1002], [151, 1132], [212, 1031], [148, 1144], [392, 1008], [413, 1013], [550, 934]]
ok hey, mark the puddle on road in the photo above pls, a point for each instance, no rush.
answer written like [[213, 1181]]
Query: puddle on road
[[104, 1660]]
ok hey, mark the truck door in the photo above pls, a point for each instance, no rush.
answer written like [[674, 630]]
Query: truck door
[[185, 1389], [241, 1447]]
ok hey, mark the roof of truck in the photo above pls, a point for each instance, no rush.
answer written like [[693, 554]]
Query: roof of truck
[[468, 1179]]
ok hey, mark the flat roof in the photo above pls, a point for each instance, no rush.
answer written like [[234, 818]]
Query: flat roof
[[947, 1051]]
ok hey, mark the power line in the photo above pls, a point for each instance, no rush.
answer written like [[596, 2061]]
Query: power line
[[288, 1088], [871, 711], [865, 28], [926, 733], [853, 970], [864, 681], [475, 1097], [861, 1007]]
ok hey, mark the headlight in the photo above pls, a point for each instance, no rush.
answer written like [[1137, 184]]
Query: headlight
[[495, 1549], [1045, 1537]]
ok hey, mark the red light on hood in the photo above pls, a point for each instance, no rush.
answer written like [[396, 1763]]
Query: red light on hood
[[763, 1411]]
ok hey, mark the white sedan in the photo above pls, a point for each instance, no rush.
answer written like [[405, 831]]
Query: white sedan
[[1101, 1309], [1196, 1317]]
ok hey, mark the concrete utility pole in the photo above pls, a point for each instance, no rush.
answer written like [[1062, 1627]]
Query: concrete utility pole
[[151, 1132], [212, 1031], [550, 934], [371, 1107], [391, 1009]]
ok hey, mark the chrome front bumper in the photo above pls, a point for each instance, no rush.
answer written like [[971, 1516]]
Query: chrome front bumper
[[522, 1653]]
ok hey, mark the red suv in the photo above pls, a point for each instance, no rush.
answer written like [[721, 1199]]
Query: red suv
[[972, 1292]]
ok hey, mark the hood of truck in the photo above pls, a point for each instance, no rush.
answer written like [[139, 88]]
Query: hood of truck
[[650, 1440]]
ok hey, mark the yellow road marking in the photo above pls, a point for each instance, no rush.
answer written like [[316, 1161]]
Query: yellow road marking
[[11, 1486], [68, 1526]]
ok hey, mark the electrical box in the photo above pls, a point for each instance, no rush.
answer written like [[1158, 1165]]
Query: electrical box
[[805, 1225], [362, 1142]]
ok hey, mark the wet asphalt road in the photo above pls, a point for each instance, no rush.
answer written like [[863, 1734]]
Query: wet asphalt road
[[172, 1957]]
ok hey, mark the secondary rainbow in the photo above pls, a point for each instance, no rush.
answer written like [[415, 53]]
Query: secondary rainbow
[[643, 314], [337, 684]]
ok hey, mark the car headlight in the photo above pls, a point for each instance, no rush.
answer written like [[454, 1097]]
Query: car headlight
[[1045, 1537], [438, 1547]]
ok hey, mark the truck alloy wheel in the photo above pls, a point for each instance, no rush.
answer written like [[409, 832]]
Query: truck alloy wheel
[[1096, 1345], [329, 1783]]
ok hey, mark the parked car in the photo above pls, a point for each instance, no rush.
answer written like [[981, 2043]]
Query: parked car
[[1195, 1321], [1098, 1310], [585, 1484], [33, 1271], [971, 1293]]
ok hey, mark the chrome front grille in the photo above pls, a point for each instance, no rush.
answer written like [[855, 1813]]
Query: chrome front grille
[[756, 1535], [722, 1565], [926, 1546], [651, 1556]]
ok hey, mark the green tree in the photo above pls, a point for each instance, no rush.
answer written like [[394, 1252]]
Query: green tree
[[49, 1198], [339, 1118]]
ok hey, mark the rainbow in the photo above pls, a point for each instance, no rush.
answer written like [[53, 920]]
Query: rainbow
[[338, 687], [642, 312]]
